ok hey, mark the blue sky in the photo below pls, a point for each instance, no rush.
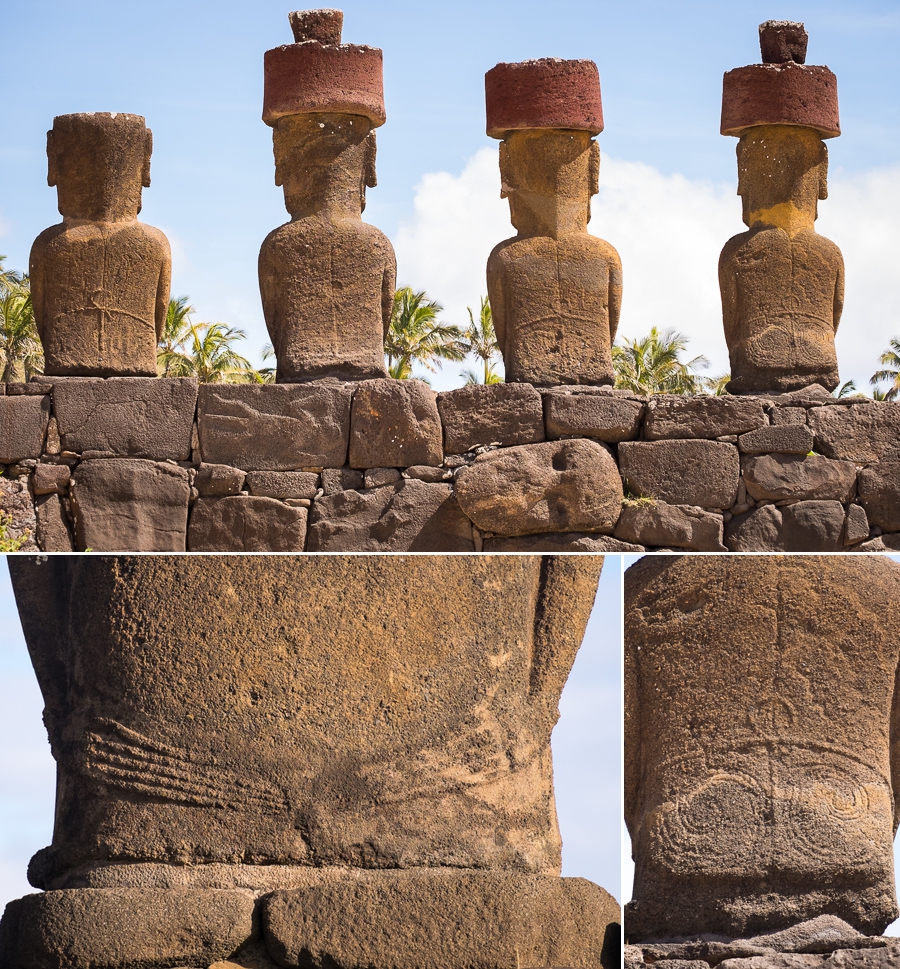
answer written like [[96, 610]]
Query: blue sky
[[194, 70], [587, 746]]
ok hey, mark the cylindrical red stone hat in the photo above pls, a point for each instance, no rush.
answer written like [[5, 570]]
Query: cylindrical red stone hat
[[545, 93], [781, 90], [320, 74]]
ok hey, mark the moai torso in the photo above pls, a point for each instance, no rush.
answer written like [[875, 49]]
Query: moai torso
[[760, 717], [392, 712], [100, 279]]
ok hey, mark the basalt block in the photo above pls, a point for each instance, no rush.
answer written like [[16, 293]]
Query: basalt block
[[283, 484], [454, 919], [218, 480], [50, 478], [559, 542], [130, 505], [703, 473], [242, 523], [789, 438], [129, 416], [701, 417], [477, 415], [562, 486], [879, 491], [680, 526], [859, 432], [18, 510], [23, 427], [280, 428], [758, 795], [772, 477], [395, 424], [602, 416], [411, 516], [54, 532], [123, 928], [805, 526]]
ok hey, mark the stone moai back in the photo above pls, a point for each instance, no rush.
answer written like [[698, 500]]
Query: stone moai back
[[555, 290], [326, 277], [782, 284], [100, 279], [760, 743], [341, 732]]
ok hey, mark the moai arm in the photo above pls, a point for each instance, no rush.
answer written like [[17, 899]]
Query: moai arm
[[496, 298], [163, 289], [388, 286], [632, 728], [838, 296], [895, 749], [36, 279], [615, 294], [728, 291]]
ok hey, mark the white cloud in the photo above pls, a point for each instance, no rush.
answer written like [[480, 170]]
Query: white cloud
[[669, 231]]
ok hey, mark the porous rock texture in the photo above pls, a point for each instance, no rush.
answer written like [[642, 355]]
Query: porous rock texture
[[757, 795], [23, 427], [394, 424], [100, 279]]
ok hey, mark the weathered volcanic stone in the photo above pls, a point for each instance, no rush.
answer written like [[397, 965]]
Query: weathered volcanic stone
[[54, 533], [23, 427], [856, 525], [560, 542], [130, 416], [879, 491], [411, 516], [601, 416], [703, 473], [411, 919], [394, 424], [110, 928], [217, 480], [353, 711], [805, 526], [274, 428], [703, 417], [662, 524], [283, 484], [778, 439], [563, 486], [50, 478], [507, 414], [240, 523], [341, 479], [130, 505], [17, 507], [757, 794], [787, 415], [858, 432], [775, 476]]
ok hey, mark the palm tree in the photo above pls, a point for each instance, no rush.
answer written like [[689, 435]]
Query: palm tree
[[650, 365], [21, 352], [210, 358], [716, 386], [846, 389], [481, 342], [176, 333], [417, 336], [891, 359]]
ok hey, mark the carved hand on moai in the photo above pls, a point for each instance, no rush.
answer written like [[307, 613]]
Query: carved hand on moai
[[761, 762], [782, 284], [326, 278], [555, 290], [100, 279]]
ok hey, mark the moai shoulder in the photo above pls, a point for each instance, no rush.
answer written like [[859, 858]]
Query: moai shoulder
[[100, 279], [555, 290]]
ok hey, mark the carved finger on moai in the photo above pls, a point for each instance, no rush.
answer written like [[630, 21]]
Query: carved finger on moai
[[100, 279], [761, 762], [555, 290], [326, 277], [782, 284]]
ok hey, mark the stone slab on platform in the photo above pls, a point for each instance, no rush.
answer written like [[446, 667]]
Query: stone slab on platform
[[218, 480], [777, 439], [274, 427], [23, 427], [54, 533], [857, 432], [772, 477], [283, 484], [140, 417], [805, 526], [560, 542], [130, 505], [122, 928], [676, 417], [50, 479], [689, 472], [482, 414], [450, 918], [603, 416], [659, 524], [341, 479], [560, 486], [394, 424], [410, 516], [243, 523], [879, 491]]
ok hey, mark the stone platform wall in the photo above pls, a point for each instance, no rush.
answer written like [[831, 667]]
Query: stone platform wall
[[144, 464]]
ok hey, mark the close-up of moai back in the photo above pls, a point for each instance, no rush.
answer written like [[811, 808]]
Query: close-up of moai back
[[761, 760], [555, 290], [782, 284], [100, 278], [326, 277], [350, 755]]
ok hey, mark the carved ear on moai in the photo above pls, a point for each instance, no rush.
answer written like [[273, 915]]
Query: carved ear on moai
[[594, 169], [369, 161], [823, 172], [52, 170], [148, 151], [504, 170]]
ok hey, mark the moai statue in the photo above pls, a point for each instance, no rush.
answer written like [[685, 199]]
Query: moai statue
[[362, 737], [762, 773], [100, 279], [326, 277], [782, 284], [555, 290]]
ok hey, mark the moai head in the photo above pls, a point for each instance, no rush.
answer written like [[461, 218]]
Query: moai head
[[323, 99], [99, 164], [546, 112]]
